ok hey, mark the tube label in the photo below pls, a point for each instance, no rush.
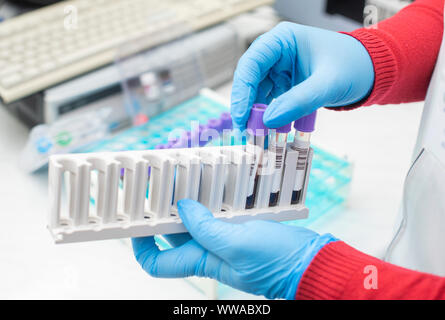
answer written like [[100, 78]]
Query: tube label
[[277, 153], [303, 150]]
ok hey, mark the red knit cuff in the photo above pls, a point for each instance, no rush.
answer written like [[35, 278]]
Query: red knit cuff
[[385, 67], [330, 271]]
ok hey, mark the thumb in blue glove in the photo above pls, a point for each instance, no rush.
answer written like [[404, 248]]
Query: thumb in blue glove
[[302, 68], [259, 257]]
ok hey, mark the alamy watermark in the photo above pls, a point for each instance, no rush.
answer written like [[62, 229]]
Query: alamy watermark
[[70, 21], [370, 16], [200, 135], [371, 280]]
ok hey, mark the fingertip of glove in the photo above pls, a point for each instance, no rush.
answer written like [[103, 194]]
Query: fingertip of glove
[[238, 129], [270, 122], [185, 204], [192, 211], [272, 119], [237, 119], [273, 113]]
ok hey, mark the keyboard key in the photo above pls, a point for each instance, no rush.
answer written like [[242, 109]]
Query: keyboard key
[[11, 80], [10, 69], [39, 42], [30, 72]]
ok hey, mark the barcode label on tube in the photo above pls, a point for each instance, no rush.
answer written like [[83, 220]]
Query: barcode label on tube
[[279, 157], [302, 159]]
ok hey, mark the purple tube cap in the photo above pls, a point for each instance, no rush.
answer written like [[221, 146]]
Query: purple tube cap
[[183, 141], [171, 143], [307, 123], [215, 124], [284, 129], [203, 134], [226, 119], [255, 122]]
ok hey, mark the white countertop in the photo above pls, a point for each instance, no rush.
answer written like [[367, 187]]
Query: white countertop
[[379, 140]]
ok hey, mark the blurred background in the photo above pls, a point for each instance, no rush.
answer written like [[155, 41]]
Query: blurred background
[[113, 75]]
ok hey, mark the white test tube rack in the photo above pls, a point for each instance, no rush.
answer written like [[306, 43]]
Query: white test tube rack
[[217, 177]]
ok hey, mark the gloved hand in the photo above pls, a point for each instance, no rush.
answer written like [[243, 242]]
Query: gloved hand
[[304, 68], [259, 257]]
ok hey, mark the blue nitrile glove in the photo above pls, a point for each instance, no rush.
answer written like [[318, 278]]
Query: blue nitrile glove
[[259, 257], [304, 68]]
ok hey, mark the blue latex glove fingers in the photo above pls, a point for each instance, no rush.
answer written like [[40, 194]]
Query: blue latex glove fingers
[[252, 69], [260, 257], [213, 234], [264, 91], [178, 239], [309, 68], [296, 103], [189, 259]]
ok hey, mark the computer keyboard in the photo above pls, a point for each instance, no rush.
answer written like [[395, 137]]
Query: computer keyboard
[[50, 45]]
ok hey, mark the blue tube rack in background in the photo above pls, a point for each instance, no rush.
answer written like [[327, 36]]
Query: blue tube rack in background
[[156, 131]]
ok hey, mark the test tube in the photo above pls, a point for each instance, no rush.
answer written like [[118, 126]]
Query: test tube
[[277, 149], [257, 144], [302, 142]]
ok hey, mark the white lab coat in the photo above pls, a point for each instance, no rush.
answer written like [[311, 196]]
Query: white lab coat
[[419, 242]]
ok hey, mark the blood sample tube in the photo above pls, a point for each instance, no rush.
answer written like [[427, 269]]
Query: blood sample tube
[[257, 144], [302, 141], [277, 150]]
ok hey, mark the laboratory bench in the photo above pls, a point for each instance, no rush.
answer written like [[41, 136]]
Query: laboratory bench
[[378, 140]]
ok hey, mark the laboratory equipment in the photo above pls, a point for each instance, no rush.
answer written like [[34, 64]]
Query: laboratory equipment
[[158, 79], [55, 43], [63, 136], [336, 15], [277, 153], [302, 142], [160, 130], [152, 91], [219, 48], [194, 173]]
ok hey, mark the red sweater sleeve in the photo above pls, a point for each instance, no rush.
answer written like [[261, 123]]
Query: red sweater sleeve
[[341, 272], [404, 51]]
